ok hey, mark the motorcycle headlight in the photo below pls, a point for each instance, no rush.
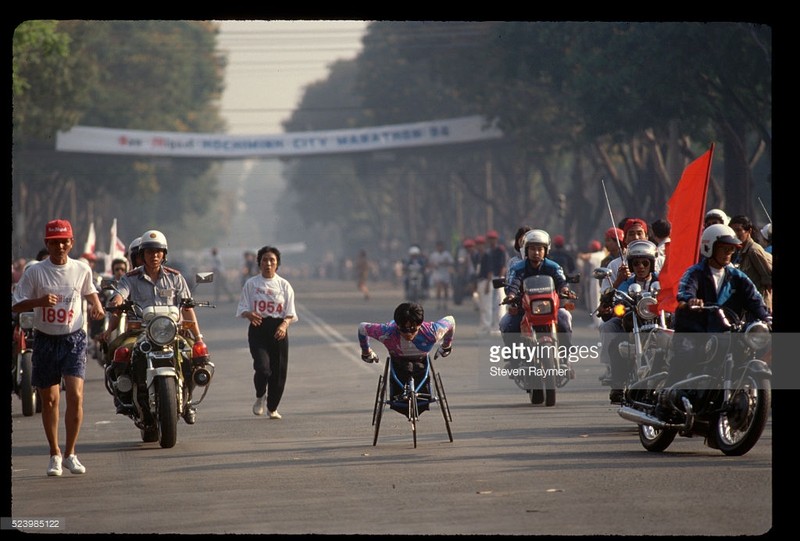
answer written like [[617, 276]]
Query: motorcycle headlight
[[757, 335], [647, 307], [541, 307], [162, 330], [26, 320]]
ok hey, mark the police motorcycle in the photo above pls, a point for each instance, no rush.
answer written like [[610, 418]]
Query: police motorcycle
[[647, 330], [21, 364], [157, 367], [725, 399]]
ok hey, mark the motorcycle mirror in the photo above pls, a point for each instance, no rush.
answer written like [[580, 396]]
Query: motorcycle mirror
[[497, 283], [601, 272], [655, 287], [204, 277]]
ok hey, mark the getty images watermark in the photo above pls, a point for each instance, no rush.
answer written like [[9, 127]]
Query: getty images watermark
[[521, 359]]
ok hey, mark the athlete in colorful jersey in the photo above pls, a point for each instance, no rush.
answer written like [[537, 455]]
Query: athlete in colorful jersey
[[407, 336]]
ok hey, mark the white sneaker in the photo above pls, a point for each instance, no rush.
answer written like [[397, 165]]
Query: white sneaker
[[260, 406], [54, 469], [274, 415], [74, 465]]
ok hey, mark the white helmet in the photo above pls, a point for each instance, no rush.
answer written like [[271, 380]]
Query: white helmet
[[642, 248], [414, 250], [154, 239], [718, 213], [535, 236], [717, 233]]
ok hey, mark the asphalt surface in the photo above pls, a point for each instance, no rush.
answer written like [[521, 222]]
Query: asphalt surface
[[513, 468]]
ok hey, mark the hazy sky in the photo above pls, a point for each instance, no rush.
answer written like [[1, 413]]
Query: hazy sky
[[269, 63]]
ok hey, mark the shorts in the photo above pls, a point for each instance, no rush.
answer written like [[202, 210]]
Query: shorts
[[55, 356]]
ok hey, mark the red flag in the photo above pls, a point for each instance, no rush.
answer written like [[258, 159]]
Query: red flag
[[685, 211]]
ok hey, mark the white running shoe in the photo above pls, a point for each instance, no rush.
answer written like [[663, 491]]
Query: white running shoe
[[54, 469], [274, 415], [260, 406], [74, 465]]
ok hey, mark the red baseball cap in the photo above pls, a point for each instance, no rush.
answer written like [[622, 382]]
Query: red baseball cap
[[633, 222], [492, 234], [615, 233], [58, 229], [558, 240], [594, 246], [480, 239], [469, 243]]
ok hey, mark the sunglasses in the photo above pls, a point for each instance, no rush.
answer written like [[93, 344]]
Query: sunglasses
[[411, 329], [641, 263]]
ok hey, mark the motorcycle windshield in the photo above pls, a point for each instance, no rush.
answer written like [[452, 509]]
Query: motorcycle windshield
[[539, 284]]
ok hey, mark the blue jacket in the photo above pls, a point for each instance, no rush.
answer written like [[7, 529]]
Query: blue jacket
[[737, 293], [522, 269]]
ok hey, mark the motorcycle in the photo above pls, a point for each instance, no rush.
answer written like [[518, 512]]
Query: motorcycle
[[157, 365], [21, 365], [541, 366], [643, 348], [726, 399], [415, 281]]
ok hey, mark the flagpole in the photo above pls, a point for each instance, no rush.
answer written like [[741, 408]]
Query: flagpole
[[764, 209], [613, 223]]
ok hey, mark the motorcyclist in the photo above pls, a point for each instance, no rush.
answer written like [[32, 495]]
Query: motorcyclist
[[134, 253], [152, 284], [415, 266], [714, 280], [641, 256], [535, 246]]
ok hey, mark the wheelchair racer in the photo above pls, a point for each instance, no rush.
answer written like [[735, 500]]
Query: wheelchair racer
[[408, 338]]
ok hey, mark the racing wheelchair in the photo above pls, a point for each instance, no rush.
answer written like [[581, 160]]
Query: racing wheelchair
[[409, 385]]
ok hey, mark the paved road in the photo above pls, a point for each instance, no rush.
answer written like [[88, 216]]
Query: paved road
[[513, 468]]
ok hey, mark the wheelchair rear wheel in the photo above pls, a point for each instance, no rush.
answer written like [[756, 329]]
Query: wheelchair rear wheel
[[442, 398]]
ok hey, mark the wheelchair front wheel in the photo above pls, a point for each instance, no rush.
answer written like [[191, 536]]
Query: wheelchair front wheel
[[380, 402]]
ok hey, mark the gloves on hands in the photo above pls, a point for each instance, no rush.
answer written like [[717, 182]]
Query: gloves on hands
[[370, 357]]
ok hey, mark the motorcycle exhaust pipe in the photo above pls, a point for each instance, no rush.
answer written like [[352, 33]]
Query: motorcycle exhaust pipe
[[202, 374], [641, 418]]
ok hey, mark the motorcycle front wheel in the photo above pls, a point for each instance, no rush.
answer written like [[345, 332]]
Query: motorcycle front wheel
[[656, 440], [167, 411], [738, 429]]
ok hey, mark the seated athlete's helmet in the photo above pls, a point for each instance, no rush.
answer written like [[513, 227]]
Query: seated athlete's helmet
[[642, 248], [717, 233], [535, 236], [154, 239]]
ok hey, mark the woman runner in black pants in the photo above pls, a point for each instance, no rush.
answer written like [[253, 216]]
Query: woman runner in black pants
[[267, 301]]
